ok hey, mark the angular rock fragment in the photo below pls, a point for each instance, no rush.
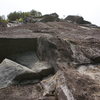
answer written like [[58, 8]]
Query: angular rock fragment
[[70, 85], [57, 86], [31, 61], [10, 71]]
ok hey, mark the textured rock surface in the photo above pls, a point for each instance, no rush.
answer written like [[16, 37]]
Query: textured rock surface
[[14, 73], [62, 49], [77, 19], [70, 85], [10, 70]]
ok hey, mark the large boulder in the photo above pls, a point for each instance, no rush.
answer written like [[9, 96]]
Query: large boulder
[[31, 61], [10, 71], [14, 73], [50, 17], [64, 51], [76, 19]]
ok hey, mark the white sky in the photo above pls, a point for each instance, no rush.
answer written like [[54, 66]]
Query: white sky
[[89, 9]]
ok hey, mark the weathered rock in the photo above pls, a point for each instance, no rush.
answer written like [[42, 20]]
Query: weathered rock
[[20, 92], [31, 61], [93, 71], [77, 19], [60, 45], [13, 46], [50, 17], [27, 58], [56, 85], [59, 50], [10, 71], [48, 98], [78, 56], [55, 50], [66, 85]]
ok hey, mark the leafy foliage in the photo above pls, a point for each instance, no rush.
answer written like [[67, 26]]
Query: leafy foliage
[[22, 15], [2, 19]]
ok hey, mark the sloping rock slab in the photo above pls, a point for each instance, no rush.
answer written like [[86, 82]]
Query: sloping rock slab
[[27, 59], [31, 61], [10, 71], [14, 73]]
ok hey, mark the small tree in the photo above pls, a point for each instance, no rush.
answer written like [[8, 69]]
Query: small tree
[[2, 19], [13, 16]]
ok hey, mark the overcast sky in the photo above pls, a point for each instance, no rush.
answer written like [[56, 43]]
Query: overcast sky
[[89, 9]]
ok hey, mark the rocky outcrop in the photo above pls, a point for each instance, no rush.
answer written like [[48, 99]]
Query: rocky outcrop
[[69, 85], [77, 19], [10, 71], [50, 17], [59, 50], [14, 73]]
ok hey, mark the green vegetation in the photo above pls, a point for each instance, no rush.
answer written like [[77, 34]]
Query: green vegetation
[[3, 20], [20, 16]]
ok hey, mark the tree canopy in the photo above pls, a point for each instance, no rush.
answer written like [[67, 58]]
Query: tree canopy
[[22, 15]]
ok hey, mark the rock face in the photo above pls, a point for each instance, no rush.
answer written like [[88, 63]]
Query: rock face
[[13, 46], [50, 61]]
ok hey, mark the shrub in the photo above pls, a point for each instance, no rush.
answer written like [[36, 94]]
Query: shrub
[[23, 15]]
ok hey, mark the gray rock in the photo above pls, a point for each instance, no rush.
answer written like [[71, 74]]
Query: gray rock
[[69, 44], [14, 73], [31, 61], [27, 59], [76, 19], [69, 85], [57, 84], [50, 17], [10, 71]]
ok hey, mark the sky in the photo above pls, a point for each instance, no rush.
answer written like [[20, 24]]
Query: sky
[[89, 9]]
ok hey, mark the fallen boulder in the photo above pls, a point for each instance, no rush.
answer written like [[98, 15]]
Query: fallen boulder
[[10, 71], [76, 19], [50, 18], [14, 73], [31, 61]]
